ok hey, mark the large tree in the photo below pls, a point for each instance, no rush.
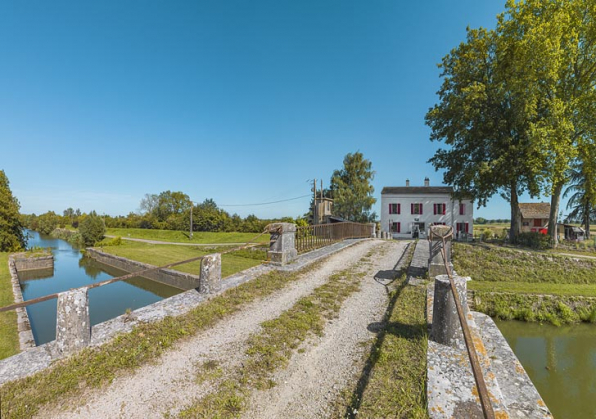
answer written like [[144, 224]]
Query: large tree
[[12, 236], [582, 190], [352, 190], [484, 121]]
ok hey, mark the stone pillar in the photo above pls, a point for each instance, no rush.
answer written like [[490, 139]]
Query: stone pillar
[[436, 265], [73, 328], [282, 249], [373, 230], [210, 281], [446, 328]]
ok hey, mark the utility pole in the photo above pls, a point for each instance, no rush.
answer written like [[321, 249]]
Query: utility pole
[[190, 233], [314, 202]]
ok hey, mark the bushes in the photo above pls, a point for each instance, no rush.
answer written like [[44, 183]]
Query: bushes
[[92, 229], [534, 240]]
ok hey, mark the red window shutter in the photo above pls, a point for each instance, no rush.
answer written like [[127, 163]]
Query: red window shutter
[[399, 208], [399, 227], [462, 209], [467, 227], [412, 208], [420, 209], [444, 208], [435, 209]]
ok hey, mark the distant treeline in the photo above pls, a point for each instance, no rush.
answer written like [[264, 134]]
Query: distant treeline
[[481, 220], [165, 211]]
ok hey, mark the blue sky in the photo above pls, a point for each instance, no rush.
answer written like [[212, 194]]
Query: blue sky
[[239, 101]]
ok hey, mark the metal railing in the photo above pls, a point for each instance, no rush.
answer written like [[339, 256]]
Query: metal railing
[[487, 407], [313, 237]]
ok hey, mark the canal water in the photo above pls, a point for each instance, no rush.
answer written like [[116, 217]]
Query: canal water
[[72, 270], [561, 361]]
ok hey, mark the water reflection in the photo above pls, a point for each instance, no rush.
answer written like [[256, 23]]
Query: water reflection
[[71, 270], [561, 361]]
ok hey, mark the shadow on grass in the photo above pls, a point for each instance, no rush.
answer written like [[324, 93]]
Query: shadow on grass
[[382, 329]]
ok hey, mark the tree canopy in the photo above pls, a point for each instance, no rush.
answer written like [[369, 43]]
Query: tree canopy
[[352, 190], [12, 236]]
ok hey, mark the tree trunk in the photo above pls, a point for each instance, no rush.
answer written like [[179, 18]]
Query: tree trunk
[[554, 211], [587, 211], [513, 226]]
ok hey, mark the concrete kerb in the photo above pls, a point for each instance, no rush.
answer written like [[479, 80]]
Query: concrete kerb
[[26, 339], [40, 357]]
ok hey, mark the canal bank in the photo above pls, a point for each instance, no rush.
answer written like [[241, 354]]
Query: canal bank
[[72, 270]]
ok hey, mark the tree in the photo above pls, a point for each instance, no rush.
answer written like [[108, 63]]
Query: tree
[[556, 66], [484, 120], [582, 188], [46, 223], [92, 229], [352, 191], [12, 236]]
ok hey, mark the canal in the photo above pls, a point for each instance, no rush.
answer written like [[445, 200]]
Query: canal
[[72, 270], [561, 361]]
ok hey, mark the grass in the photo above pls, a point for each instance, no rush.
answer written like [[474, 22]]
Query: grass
[[273, 347], [497, 264], [163, 254], [199, 237], [528, 285], [9, 337], [96, 367]]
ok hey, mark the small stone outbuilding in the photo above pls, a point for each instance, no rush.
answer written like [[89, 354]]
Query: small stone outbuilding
[[533, 217]]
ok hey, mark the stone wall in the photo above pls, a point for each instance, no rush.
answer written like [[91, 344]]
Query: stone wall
[[24, 263], [170, 277], [26, 340]]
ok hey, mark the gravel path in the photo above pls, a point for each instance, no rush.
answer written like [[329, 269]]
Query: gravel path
[[170, 384], [315, 377]]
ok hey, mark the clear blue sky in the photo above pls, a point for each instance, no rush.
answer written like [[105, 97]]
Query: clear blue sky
[[239, 101]]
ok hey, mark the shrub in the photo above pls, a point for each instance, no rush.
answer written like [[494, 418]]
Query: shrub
[[92, 229], [534, 240]]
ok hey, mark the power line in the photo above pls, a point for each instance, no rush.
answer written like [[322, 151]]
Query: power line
[[263, 203]]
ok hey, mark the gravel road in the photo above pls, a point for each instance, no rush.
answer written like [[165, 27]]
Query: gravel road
[[170, 384]]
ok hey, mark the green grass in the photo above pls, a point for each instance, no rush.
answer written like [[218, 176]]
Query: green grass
[[163, 254], [96, 367], [497, 264], [273, 347], [199, 237], [9, 338], [585, 290]]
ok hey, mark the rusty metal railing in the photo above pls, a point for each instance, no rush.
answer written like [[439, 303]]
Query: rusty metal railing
[[313, 237], [487, 407]]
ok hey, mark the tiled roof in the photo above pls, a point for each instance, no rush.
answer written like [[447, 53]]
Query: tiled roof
[[416, 190], [535, 210]]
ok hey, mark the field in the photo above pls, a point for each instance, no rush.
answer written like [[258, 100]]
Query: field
[[9, 339], [199, 237], [163, 254]]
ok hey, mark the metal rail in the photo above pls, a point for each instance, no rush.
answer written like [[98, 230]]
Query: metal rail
[[319, 235], [487, 407], [27, 303]]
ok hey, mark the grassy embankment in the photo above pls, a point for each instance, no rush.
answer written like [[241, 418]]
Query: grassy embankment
[[530, 286], [198, 237], [163, 254], [9, 338], [97, 367]]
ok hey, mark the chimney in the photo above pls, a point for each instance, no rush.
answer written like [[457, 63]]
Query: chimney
[[407, 182], [426, 181]]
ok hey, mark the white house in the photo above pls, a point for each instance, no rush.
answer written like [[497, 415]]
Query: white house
[[409, 210]]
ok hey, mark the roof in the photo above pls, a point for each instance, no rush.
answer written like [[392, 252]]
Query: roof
[[535, 210], [416, 190]]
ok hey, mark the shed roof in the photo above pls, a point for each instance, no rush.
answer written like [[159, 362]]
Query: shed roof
[[535, 210], [416, 190]]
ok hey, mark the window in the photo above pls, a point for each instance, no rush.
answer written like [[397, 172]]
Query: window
[[395, 227], [416, 209], [462, 227], [439, 209], [537, 222], [462, 209], [394, 208]]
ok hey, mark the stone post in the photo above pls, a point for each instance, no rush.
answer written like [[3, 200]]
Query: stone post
[[373, 230], [436, 266], [73, 328], [282, 249], [210, 281], [446, 328]]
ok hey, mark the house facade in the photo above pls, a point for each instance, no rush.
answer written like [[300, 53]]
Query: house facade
[[409, 210], [533, 217]]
